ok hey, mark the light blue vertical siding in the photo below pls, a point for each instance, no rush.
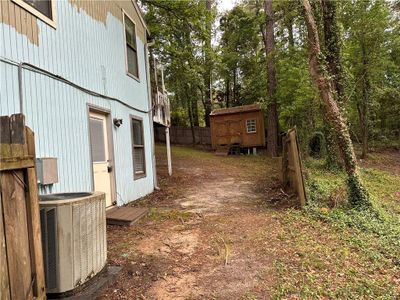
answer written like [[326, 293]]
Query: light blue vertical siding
[[91, 54]]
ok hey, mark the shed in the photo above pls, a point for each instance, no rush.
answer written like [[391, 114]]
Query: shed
[[241, 126]]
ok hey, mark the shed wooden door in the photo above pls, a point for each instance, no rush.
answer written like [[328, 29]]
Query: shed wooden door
[[100, 154], [235, 132]]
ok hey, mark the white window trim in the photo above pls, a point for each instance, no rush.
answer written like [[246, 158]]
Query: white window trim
[[138, 175], [255, 126], [124, 14], [38, 14]]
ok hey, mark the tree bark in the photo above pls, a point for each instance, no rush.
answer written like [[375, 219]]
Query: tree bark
[[269, 41], [195, 110], [358, 196], [332, 47], [289, 27], [332, 55], [363, 106], [228, 92], [190, 113], [234, 87], [207, 81]]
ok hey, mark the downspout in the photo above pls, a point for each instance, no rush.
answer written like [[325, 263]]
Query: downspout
[[153, 158], [20, 88]]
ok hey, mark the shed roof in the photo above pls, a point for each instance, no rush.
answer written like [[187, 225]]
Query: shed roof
[[236, 109]]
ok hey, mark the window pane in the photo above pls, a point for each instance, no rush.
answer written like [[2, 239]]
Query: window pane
[[130, 33], [97, 140], [138, 147], [137, 132], [138, 160], [251, 126], [44, 6], [132, 61]]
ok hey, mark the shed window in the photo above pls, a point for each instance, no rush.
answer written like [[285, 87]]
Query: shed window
[[251, 126], [139, 166], [131, 47], [43, 6]]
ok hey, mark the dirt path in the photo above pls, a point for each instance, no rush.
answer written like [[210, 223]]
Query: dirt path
[[211, 233]]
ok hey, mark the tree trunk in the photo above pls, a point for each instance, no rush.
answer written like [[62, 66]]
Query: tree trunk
[[363, 106], [228, 92], [234, 87], [195, 110], [332, 55], [207, 81], [269, 41], [358, 196], [332, 47], [289, 26], [190, 113]]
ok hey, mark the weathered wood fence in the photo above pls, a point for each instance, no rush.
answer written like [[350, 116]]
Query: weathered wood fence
[[292, 168], [183, 135], [21, 257]]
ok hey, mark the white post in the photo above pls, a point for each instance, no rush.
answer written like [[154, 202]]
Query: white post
[[254, 150], [168, 151]]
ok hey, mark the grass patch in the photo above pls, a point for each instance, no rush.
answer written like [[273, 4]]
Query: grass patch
[[339, 252], [170, 214]]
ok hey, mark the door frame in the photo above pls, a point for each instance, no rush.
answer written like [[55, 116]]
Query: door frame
[[110, 143]]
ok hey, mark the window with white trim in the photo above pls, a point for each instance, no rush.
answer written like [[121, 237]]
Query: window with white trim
[[251, 126], [131, 47], [139, 166], [43, 9], [43, 6]]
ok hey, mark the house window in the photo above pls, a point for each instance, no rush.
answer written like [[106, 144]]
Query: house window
[[251, 126], [43, 6], [139, 166], [131, 47], [43, 9]]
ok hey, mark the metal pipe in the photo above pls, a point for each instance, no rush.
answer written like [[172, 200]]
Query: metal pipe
[[20, 88]]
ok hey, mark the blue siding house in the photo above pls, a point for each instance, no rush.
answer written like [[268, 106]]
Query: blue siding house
[[79, 72]]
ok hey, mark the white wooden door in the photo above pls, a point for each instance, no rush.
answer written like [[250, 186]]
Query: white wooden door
[[100, 155]]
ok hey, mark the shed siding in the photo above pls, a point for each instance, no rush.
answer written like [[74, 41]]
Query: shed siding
[[223, 133], [90, 53]]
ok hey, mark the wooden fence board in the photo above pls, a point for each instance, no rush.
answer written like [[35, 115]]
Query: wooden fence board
[[17, 136], [35, 234], [5, 139], [292, 169], [15, 225], [4, 283], [21, 258]]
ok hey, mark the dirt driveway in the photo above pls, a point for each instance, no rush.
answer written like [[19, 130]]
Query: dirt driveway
[[210, 233]]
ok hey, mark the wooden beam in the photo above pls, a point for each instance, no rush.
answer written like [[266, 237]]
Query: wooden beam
[[35, 239], [299, 185], [5, 140], [15, 163], [17, 136], [4, 281], [15, 228]]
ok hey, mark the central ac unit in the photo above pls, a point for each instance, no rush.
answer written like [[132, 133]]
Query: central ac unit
[[73, 237]]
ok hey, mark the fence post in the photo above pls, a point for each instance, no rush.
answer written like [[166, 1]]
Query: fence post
[[19, 218], [292, 173]]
